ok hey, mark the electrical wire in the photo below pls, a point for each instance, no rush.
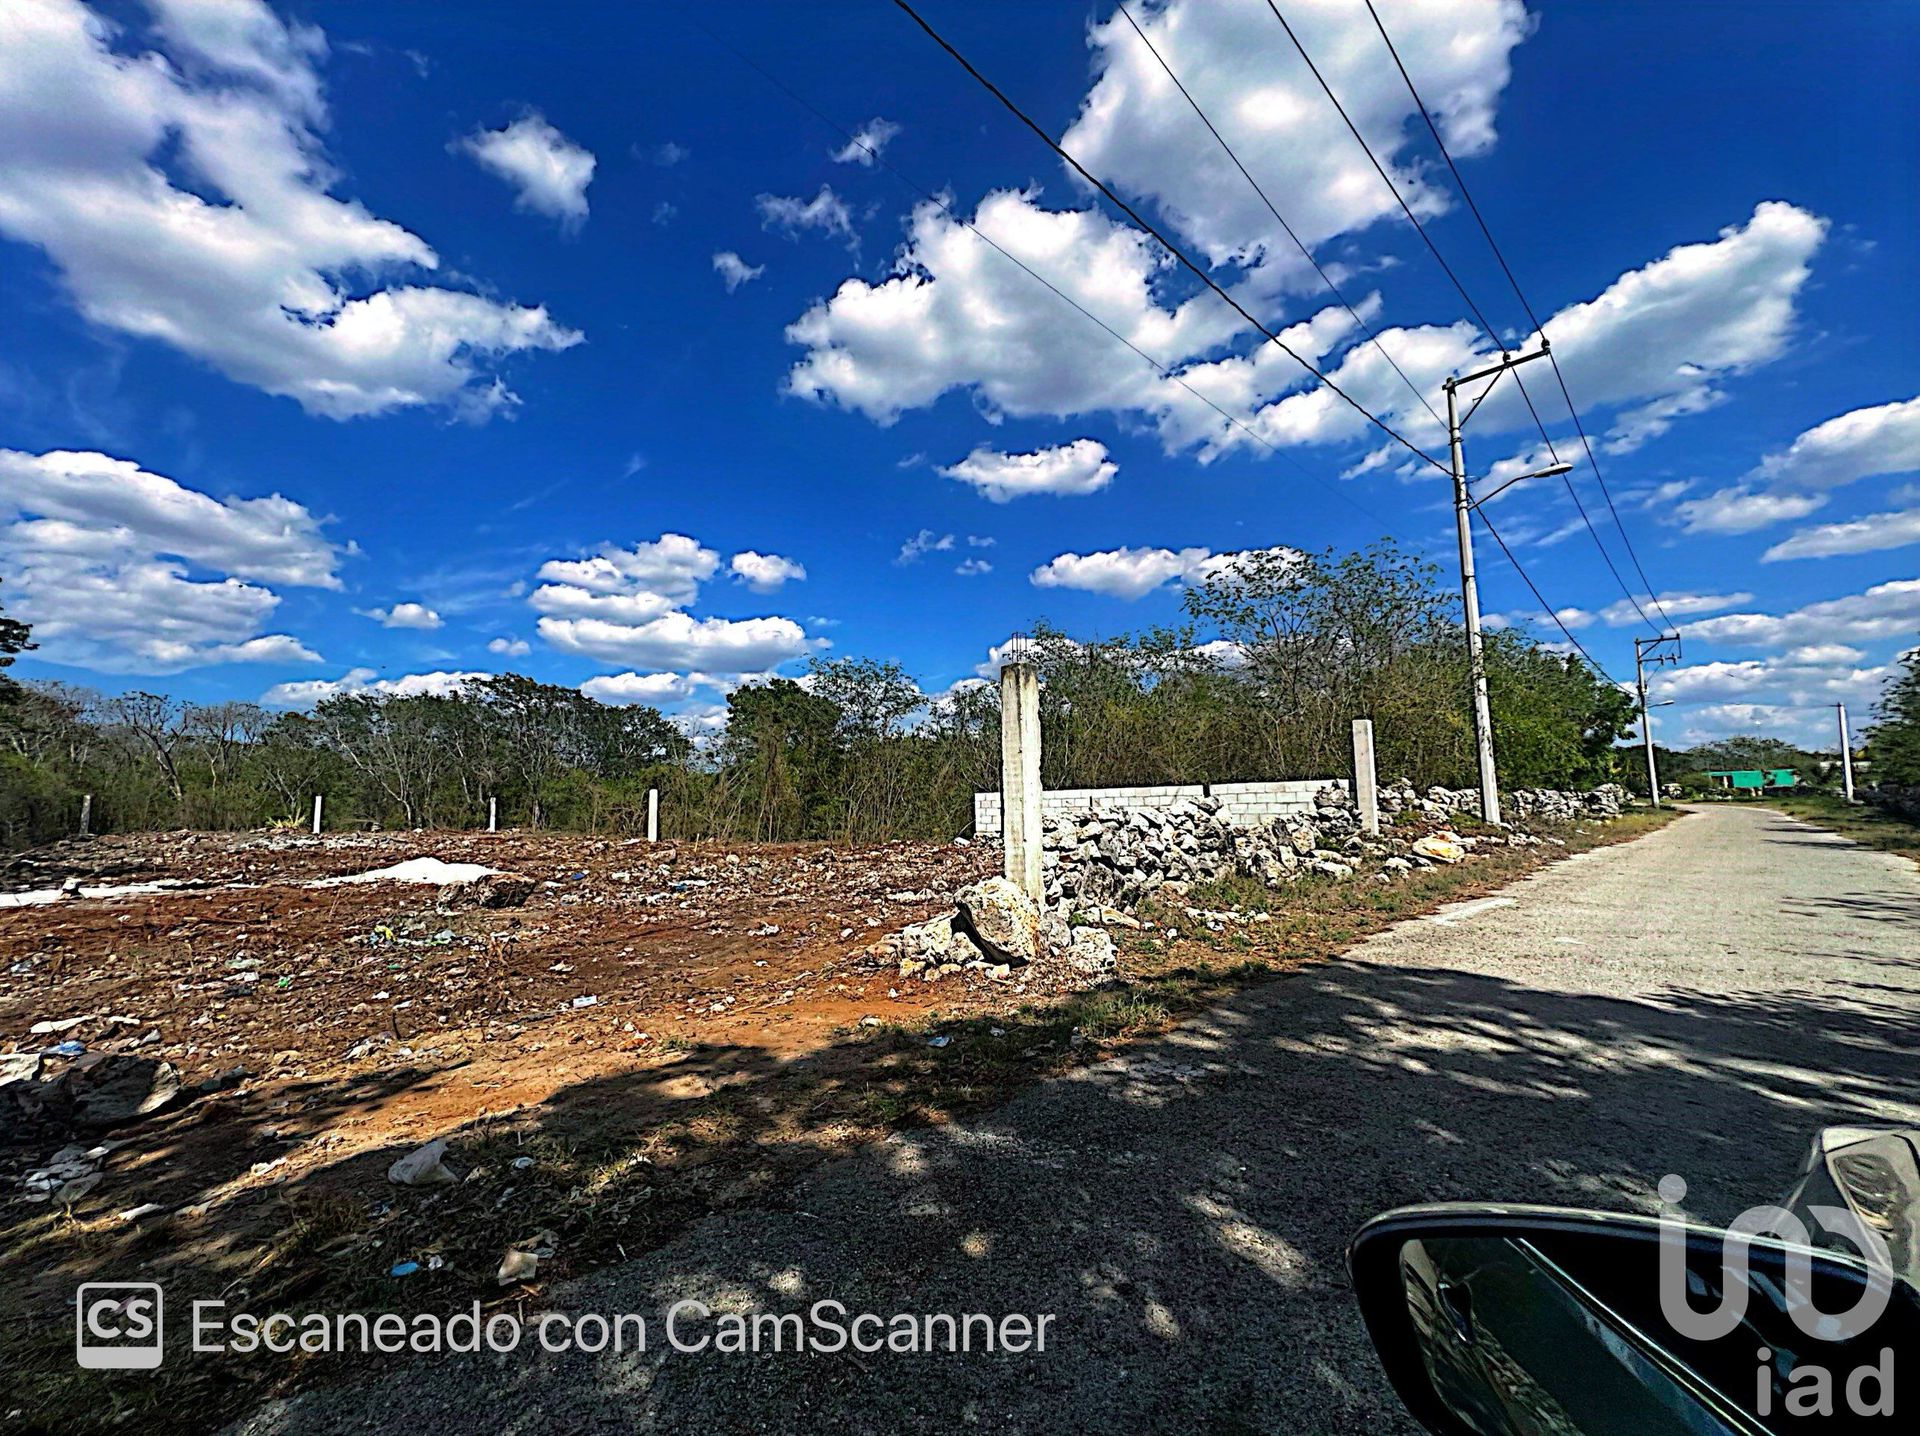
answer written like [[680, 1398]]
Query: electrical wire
[[1405, 208], [1532, 318], [1434, 250], [1539, 597], [932, 197], [1272, 209], [1165, 243]]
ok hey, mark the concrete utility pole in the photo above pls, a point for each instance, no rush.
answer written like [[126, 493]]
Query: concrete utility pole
[[653, 815], [1020, 772], [1645, 651], [1463, 505], [493, 815], [317, 801], [1846, 754], [1366, 784]]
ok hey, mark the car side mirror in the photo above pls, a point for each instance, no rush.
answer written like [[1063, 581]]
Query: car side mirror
[[1525, 1321]]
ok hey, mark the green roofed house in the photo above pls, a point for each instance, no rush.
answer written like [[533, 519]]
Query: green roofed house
[[1756, 780]]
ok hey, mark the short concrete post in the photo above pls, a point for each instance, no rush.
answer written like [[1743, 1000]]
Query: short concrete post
[[86, 816], [653, 815], [317, 801], [1366, 784], [1020, 777], [493, 815]]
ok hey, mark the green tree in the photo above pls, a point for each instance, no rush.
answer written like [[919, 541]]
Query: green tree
[[780, 759], [15, 638], [1893, 743]]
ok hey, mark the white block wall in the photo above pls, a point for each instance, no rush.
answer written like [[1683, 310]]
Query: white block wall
[[1244, 805]]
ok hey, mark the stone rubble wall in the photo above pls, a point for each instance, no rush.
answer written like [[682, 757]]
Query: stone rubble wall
[[1115, 856], [1242, 805]]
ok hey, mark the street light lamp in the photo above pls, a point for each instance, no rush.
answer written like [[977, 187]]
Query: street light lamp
[[1463, 504], [1551, 471]]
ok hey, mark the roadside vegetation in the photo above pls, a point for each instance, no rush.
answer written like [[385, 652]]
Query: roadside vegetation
[[1877, 827], [1276, 657]]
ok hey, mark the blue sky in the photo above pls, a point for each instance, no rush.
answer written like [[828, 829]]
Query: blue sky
[[360, 345]]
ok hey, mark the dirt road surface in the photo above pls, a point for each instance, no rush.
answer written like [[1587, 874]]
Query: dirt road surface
[[1698, 1002]]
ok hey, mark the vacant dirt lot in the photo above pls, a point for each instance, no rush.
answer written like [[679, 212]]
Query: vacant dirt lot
[[656, 1032], [342, 1021]]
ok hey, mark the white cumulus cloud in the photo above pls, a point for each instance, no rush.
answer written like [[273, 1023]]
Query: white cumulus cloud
[[128, 571], [628, 606], [548, 171], [1136, 131], [305, 693], [1739, 511], [1886, 610], [406, 615], [921, 544], [1123, 572], [1622, 614], [1081, 467], [765, 572], [509, 647], [1862, 535], [1796, 481], [735, 271], [826, 212], [1884, 439], [867, 143], [248, 262]]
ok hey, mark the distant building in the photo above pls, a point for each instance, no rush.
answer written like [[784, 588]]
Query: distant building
[[1756, 780]]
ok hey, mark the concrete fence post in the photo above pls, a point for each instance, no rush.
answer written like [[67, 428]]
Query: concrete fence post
[[317, 802], [493, 815], [1366, 785], [86, 816], [653, 815], [1020, 777]]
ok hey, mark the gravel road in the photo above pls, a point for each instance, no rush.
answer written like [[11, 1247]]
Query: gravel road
[[1699, 1001]]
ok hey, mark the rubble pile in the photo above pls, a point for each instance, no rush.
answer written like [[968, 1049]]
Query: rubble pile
[[1100, 864], [1116, 857], [997, 930], [1553, 804]]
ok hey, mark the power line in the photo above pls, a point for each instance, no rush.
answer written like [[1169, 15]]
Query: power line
[[1433, 249], [1299, 244], [1165, 371], [1405, 208], [1574, 494], [1532, 318], [1164, 242], [1541, 599]]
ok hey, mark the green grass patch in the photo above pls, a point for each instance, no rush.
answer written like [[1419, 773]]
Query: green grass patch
[[1875, 827]]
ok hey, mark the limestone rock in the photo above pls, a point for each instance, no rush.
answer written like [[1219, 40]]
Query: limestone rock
[[1091, 951], [1440, 848], [1004, 921]]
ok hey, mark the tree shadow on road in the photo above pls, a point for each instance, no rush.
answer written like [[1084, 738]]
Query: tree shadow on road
[[1183, 1209]]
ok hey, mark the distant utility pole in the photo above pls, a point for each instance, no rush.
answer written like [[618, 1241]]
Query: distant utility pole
[[1846, 754], [1463, 505], [1654, 651]]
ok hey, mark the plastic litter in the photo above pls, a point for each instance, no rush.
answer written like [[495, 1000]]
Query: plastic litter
[[424, 1167]]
